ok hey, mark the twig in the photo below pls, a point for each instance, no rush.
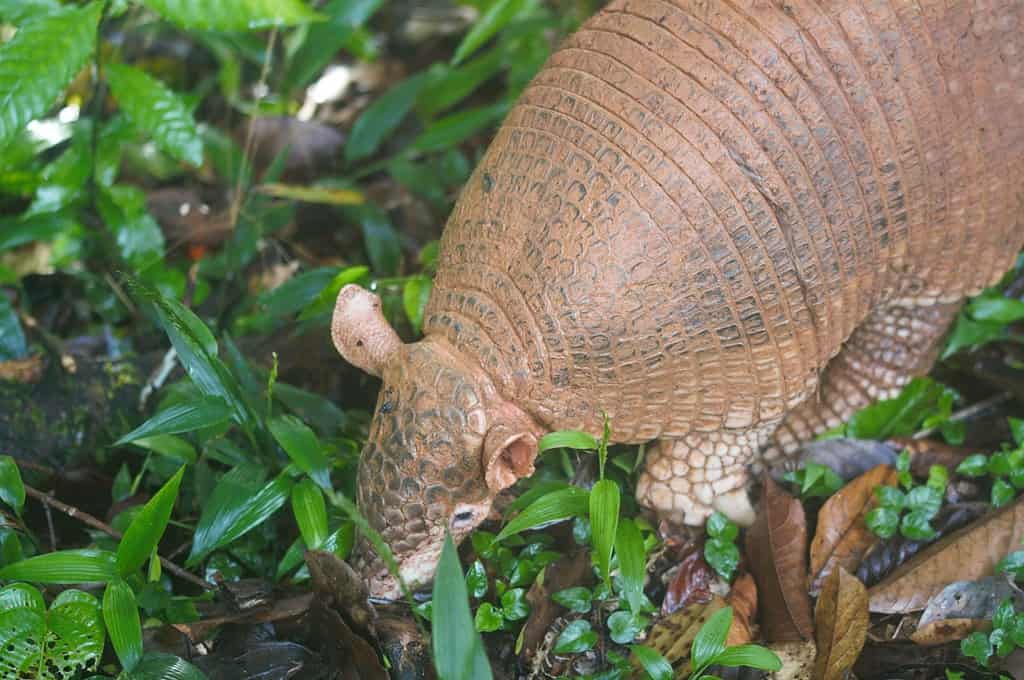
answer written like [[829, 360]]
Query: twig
[[89, 520]]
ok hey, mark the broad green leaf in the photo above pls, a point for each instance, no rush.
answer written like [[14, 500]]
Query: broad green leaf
[[18, 231], [753, 656], [17, 11], [39, 62], [723, 556], [158, 666], [64, 566], [489, 23], [458, 650], [415, 294], [456, 128], [575, 638], [379, 237], [604, 520], [476, 579], [12, 488], [487, 618], [236, 506], [625, 626], [157, 111], [883, 522], [456, 84], [555, 506], [138, 236], [629, 546], [570, 439], [310, 513], [233, 15], [1002, 493], [12, 338], [899, 417], [185, 417], [719, 526], [121, 615], [303, 447], [710, 639], [312, 408], [514, 605], [654, 664], [382, 117], [324, 39], [977, 646], [168, 445], [145, 531], [996, 308], [576, 599], [324, 301]]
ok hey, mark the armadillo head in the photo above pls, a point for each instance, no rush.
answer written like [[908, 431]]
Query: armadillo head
[[441, 445]]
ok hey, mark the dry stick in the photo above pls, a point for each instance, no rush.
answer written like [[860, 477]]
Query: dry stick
[[86, 518]]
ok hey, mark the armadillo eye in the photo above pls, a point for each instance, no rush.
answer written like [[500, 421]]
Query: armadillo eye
[[462, 517]]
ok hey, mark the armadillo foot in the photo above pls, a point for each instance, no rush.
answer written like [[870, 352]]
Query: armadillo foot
[[687, 479]]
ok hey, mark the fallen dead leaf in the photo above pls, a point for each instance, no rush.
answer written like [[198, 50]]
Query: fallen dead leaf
[[691, 583], [969, 553], [672, 636], [743, 600], [797, 659], [842, 538], [840, 623], [776, 547], [27, 370]]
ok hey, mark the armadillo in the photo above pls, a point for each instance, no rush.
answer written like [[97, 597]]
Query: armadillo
[[723, 224]]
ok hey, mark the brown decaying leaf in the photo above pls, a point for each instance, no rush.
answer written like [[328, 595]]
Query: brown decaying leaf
[[776, 547], [969, 553], [691, 583], [743, 600], [797, 659], [842, 538], [840, 624], [672, 636], [27, 370]]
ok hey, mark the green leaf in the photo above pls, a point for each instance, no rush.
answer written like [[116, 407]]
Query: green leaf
[[629, 546], [996, 309], [604, 521], [38, 63], [575, 638], [490, 22], [121, 615], [568, 439], [157, 111], [145, 531], [303, 447], [654, 664], [710, 639], [233, 15], [488, 618], [973, 466], [883, 522], [752, 656], [382, 117], [1002, 493], [924, 500], [184, 417], [155, 666], [476, 579], [324, 301], [12, 338], [1004, 615], [916, 526], [558, 505], [453, 85], [720, 526], [456, 128], [1013, 564], [458, 651], [138, 236], [415, 294], [890, 497], [16, 11], [224, 508], [576, 599], [379, 237], [295, 293], [626, 626], [18, 231], [12, 489], [168, 445], [310, 513], [899, 417], [977, 646], [722, 556], [938, 479], [64, 566], [324, 39], [514, 606]]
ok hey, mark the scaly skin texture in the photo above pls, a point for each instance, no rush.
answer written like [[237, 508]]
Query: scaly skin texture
[[689, 213]]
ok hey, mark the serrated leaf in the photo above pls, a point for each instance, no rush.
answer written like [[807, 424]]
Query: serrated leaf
[[145, 531], [121, 616], [557, 505], [382, 117], [458, 650], [157, 111], [185, 417], [233, 15], [64, 566], [12, 488], [310, 513], [39, 62], [303, 447]]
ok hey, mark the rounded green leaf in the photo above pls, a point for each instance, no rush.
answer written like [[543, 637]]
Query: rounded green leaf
[[233, 15], [12, 489], [575, 638], [625, 626], [514, 606], [576, 599], [145, 531], [973, 466], [64, 566], [310, 513], [488, 618], [121, 615], [21, 596]]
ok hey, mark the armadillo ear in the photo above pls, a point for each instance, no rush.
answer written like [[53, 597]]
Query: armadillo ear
[[361, 333], [508, 455]]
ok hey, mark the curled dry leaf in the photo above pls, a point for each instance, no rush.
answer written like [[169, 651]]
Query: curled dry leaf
[[842, 537], [691, 582], [962, 608], [776, 548], [969, 553], [840, 624], [672, 636], [743, 600]]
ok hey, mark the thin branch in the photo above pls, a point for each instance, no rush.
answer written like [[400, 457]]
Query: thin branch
[[95, 523]]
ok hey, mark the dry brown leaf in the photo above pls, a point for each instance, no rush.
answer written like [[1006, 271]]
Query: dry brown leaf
[[968, 554], [27, 370], [776, 549], [797, 659], [842, 538], [743, 600], [672, 636], [948, 630], [691, 583], [840, 623]]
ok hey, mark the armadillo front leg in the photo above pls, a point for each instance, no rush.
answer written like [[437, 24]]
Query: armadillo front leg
[[893, 345], [686, 479]]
